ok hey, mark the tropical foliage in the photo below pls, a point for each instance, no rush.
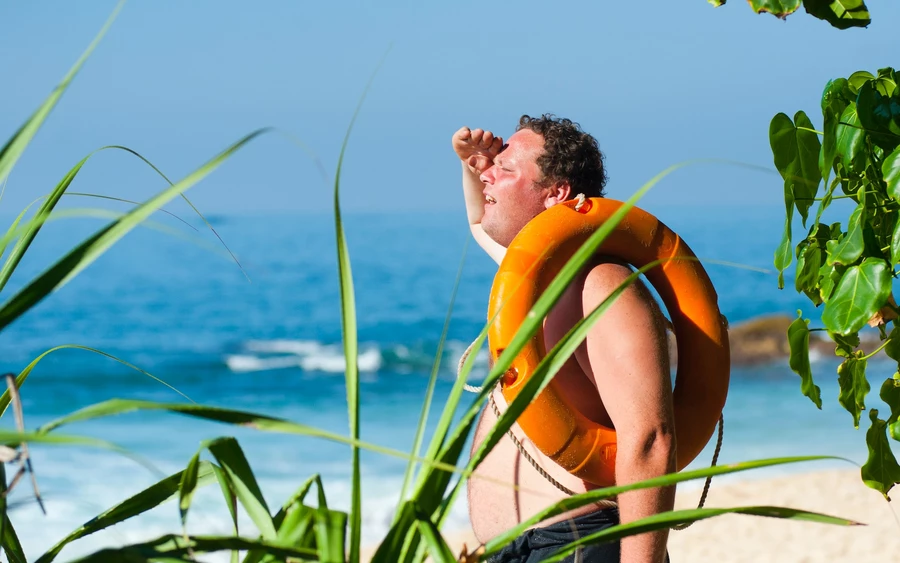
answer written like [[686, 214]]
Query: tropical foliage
[[847, 269], [842, 14]]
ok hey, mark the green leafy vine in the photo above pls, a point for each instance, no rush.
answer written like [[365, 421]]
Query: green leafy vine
[[849, 271]]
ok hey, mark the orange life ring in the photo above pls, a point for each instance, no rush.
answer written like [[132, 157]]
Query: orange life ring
[[583, 447]]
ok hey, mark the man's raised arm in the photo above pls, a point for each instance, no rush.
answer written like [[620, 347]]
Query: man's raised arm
[[476, 150]]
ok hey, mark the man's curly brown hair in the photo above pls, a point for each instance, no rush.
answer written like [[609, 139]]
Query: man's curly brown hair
[[570, 155]]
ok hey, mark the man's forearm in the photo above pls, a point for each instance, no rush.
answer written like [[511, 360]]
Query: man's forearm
[[473, 192], [638, 464]]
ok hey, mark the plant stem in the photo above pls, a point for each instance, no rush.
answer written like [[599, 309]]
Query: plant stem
[[810, 130], [879, 349]]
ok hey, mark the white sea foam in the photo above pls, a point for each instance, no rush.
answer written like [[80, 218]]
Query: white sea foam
[[309, 355], [260, 355]]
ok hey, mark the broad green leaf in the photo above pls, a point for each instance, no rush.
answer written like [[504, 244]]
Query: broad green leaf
[[231, 459], [854, 386], [892, 348], [16, 145], [826, 199], [294, 522], [879, 114], [890, 394], [845, 344], [807, 274], [176, 548], [778, 8], [796, 154], [881, 471], [829, 277], [798, 338], [891, 170], [849, 248], [149, 498], [834, 101], [842, 14], [187, 487], [850, 147], [667, 520], [783, 255], [861, 292], [858, 78]]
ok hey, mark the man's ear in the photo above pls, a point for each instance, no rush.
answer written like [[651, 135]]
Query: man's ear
[[558, 193]]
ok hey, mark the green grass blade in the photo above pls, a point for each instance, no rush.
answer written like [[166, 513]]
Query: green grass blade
[[230, 501], [174, 547], [129, 201], [16, 145], [11, 544], [669, 519], [584, 499], [231, 459], [436, 544], [394, 542], [348, 329], [228, 416], [187, 487], [331, 536], [23, 375], [12, 232], [89, 250], [293, 521], [432, 381], [151, 497], [8, 538]]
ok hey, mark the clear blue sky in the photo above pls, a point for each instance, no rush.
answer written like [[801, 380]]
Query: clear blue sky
[[657, 82]]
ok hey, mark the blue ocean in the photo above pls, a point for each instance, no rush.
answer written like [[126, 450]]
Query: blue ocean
[[169, 300]]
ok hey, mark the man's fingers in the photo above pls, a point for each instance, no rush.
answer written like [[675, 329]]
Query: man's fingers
[[477, 135], [487, 140], [463, 133], [497, 145]]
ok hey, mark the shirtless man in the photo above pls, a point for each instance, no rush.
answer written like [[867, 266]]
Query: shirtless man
[[619, 376]]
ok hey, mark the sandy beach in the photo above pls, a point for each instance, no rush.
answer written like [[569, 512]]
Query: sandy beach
[[739, 539]]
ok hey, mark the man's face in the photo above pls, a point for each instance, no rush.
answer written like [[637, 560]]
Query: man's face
[[512, 194]]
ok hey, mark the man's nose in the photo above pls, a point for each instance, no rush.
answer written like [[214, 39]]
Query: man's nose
[[487, 177]]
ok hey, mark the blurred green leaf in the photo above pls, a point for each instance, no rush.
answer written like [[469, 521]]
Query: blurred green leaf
[[231, 459], [798, 338], [849, 248], [176, 548], [854, 385], [11, 544], [186, 488], [231, 502], [842, 14], [890, 394], [778, 8], [151, 497], [861, 292], [881, 471], [437, 546]]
